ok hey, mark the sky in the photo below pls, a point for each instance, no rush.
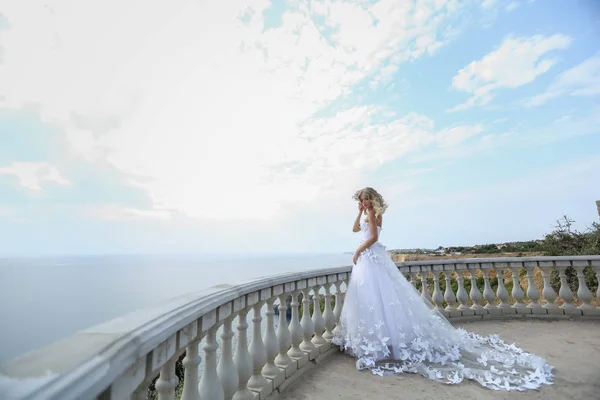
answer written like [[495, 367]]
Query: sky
[[246, 126]]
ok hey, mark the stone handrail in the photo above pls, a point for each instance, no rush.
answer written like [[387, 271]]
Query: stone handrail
[[120, 358]]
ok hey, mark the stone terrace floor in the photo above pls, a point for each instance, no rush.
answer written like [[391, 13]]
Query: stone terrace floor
[[571, 347]]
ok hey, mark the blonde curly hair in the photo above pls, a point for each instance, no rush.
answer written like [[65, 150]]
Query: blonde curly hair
[[379, 204]]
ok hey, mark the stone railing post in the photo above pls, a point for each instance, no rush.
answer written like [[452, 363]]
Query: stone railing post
[[283, 333], [437, 297], [565, 292], [339, 301], [488, 293], [583, 292], [532, 292], [328, 312], [462, 295], [257, 350], [596, 266], [424, 289], [167, 381], [317, 317], [270, 369], [308, 327], [548, 292], [517, 292], [295, 328], [474, 293], [210, 384], [227, 370], [243, 360], [449, 295], [190, 339], [501, 292]]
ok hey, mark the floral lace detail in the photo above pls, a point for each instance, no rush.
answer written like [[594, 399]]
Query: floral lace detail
[[374, 251], [372, 255], [390, 329], [498, 366]]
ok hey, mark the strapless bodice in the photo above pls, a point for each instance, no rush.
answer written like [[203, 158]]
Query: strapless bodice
[[366, 233]]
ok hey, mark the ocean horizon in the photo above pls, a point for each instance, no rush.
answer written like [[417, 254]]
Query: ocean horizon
[[47, 298]]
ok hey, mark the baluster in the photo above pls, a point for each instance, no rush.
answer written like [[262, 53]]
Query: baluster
[[532, 291], [167, 381], [413, 278], [461, 293], [210, 386], [270, 369], [328, 314], [449, 293], [243, 360], [596, 265], [307, 325], [583, 292], [295, 329], [283, 334], [191, 361], [317, 318], [488, 293], [257, 350], [424, 290], [501, 292], [565, 292], [517, 292], [227, 370], [474, 293], [141, 393], [337, 308], [437, 297], [547, 292]]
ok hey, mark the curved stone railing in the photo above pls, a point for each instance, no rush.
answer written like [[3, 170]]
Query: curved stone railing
[[119, 359]]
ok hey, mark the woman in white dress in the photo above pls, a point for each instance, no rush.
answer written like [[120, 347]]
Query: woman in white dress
[[389, 328]]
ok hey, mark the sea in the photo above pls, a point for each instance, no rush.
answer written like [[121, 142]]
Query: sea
[[45, 299]]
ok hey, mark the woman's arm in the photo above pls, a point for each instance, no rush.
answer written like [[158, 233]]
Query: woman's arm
[[372, 230], [356, 227], [374, 235]]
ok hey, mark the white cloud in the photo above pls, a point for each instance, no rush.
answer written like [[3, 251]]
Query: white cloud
[[581, 80], [524, 136], [456, 135], [517, 62], [513, 5], [488, 3], [538, 184], [32, 174], [208, 112], [5, 211], [120, 213]]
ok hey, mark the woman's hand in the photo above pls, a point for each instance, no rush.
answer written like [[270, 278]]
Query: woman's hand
[[355, 258], [360, 207]]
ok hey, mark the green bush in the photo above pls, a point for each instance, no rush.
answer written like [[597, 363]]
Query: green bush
[[566, 241], [152, 394], [311, 307]]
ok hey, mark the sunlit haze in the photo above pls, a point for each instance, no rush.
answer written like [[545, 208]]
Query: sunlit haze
[[246, 126]]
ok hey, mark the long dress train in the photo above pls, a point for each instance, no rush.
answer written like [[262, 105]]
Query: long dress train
[[390, 329]]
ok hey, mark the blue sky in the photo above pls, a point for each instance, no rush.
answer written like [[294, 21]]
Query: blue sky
[[247, 127]]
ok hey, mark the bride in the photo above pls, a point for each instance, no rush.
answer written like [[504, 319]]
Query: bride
[[389, 328]]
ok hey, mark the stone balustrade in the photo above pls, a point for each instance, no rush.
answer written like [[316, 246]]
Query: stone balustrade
[[119, 359]]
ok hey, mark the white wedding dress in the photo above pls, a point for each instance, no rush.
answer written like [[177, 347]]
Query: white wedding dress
[[391, 329]]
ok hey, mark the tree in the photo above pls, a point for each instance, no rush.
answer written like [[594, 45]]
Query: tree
[[566, 241]]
